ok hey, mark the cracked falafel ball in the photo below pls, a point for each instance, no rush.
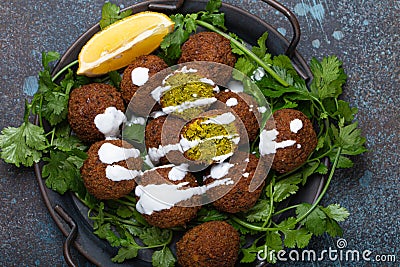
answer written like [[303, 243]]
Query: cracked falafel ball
[[245, 107], [213, 137]]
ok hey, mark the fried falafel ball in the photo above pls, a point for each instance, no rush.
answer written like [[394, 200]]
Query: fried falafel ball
[[160, 133], [245, 107], [208, 46], [186, 93], [211, 244], [100, 174], [213, 137], [166, 216], [238, 197], [138, 72], [88, 101], [293, 138]]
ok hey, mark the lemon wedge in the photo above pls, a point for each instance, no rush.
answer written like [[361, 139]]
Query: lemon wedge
[[118, 44]]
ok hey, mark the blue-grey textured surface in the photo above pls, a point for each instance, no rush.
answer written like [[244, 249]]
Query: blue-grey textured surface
[[363, 33]]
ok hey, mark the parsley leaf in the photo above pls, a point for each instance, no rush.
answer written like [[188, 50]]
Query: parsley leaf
[[297, 238], [125, 253], [336, 212], [250, 253], [315, 221], [260, 212], [329, 77], [163, 258], [153, 236], [22, 145], [62, 171], [110, 13]]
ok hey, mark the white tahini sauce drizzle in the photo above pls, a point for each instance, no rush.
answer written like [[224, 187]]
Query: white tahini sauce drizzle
[[178, 173], [140, 76], [109, 122], [189, 104], [222, 119], [110, 153], [246, 175], [118, 173], [231, 102], [262, 110], [158, 92], [164, 196], [296, 125], [220, 170], [156, 153], [156, 114], [221, 158], [258, 74], [267, 142], [208, 81]]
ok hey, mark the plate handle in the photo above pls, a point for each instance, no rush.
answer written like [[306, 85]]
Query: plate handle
[[71, 236], [293, 21], [164, 7]]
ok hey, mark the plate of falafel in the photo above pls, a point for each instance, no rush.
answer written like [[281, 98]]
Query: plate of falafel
[[178, 155]]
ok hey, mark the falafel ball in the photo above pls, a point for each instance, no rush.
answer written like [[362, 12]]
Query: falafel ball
[[207, 46], [149, 64], [167, 216], [88, 101], [95, 169], [213, 137], [211, 244], [245, 107], [292, 126], [160, 132], [236, 198]]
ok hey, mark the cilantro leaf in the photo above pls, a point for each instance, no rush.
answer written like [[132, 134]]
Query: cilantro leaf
[[206, 215], [124, 212], [213, 6], [62, 171], [336, 212], [126, 253], [315, 221], [153, 236], [260, 212], [297, 238], [286, 187], [55, 107], [22, 145], [250, 253], [163, 258], [110, 13]]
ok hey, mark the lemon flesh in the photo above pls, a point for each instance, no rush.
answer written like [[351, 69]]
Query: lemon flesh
[[119, 44]]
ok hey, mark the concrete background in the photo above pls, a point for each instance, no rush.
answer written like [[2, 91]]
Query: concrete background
[[363, 33]]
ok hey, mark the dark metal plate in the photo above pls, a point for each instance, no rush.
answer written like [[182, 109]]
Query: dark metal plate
[[70, 214]]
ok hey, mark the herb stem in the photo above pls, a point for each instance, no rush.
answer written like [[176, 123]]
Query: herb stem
[[55, 77], [246, 51]]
